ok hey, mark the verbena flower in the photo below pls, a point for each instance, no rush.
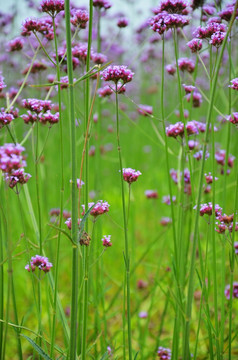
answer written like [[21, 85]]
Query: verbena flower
[[234, 83], [100, 208], [11, 158], [234, 291], [5, 118], [17, 177], [164, 221], [171, 70], [15, 44], [206, 209], [186, 64], [143, 314], [164, 353], [80, 18], [102, 4], [117, 73], [130, 175], [151, 194], [145, 110], [52, 7], [122, 22], [209, 178], [106, 241], [195, 45], [40, 262], [233, 118]]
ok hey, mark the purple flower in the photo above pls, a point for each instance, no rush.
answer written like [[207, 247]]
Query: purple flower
[[206, 209], [11, 158], [102, 4], [15, 44], [2, 83], [52, 7], [217, 38], [234, 291], [5, 118], [195, 45], [37, 105], [41, 262], [170, 69], [145, 110], [234, 83], [143, 314], [101, 207], [17, 177], [130, 175], [233, 118], [99, 58], [116, 73], [106, 241], [186, 64], [163, 353], [122, 22], [151, 194], [80, 18], [105, 91]]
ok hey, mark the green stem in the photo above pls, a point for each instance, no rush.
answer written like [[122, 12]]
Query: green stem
[[61, 196], [74, 209], [127, 257], [86, 251], [186, 353]]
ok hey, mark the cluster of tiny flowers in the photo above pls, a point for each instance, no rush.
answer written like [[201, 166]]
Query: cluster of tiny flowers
[[198, 155], [151, 194], [226, 13], [12, 163], [52, 7], [145, 110], [220, 157], [143, 314], [100, 208], [2, 83], [208, 31], [40, 262], [217, 38], [234, 291], [5, 118], [167, 200], [196, 98], [36, 67], [209, 178], [234, 84], [130, 175], [122, 22], [163, 353], [17, 177], [102, 4], [106, 241], [170, 69], [98, 58], [15, 44], [195, 45], [165, 221], [192, 127], [116, 73], [68, 223], [233, 118], [80, 18], [41, 111], [226, 223], [43, 25], [186, 64], [206, 209], [105, 91]]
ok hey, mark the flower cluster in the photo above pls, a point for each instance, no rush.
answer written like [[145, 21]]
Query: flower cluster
[[122, 22], [2, 83], [145, 110], [151, 194], [234, 84], [208, 31], [206, 209], [52, 7], [234, 291], [39, 110], [43, 25], [209, 178], [117, 73], [233, 118], [186, 64], [192, 127], [220, 157], [163, 353], [130, 175], [102, 4], [12, 163], [40, 262], [15, 44], [100, 208], [5, 118], [195, 45], [106, 241], [80, 18]]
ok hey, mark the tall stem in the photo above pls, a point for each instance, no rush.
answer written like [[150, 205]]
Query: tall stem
[[61, 195], [127, 257], [74, 209]]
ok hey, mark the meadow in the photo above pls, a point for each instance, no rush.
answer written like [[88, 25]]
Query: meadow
[[119, 181]]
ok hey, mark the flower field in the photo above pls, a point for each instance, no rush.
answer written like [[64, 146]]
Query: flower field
[[119, 180]]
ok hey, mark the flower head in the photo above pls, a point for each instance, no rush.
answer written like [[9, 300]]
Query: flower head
[[163, 353], [106, 241], [195, 45], [52, 7], [234, 291], [130, 175], [40, 262], [116, 73], [80, 18]]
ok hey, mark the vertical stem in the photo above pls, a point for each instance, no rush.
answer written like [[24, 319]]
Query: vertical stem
[[86, 250], [127, 258], [61, 195], [74, 209]]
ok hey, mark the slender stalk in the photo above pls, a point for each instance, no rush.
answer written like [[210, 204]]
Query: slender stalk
[[74, 210], [186, 352], [86, 250], [127, 257], [61, 195]]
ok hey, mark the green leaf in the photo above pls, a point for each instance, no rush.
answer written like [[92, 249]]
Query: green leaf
[[62, 231], [105, 356], [37, 348], [136, 355]]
